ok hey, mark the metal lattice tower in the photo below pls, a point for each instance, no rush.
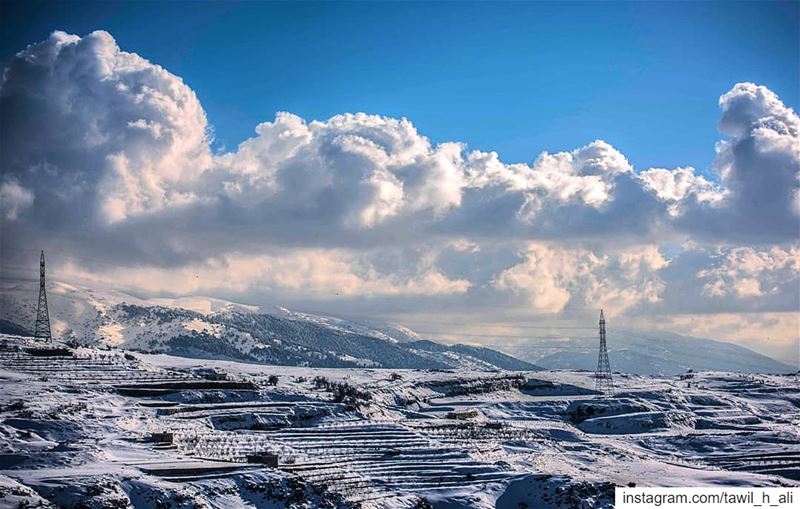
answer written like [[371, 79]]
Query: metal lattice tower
[[42, 315], [603, 382]]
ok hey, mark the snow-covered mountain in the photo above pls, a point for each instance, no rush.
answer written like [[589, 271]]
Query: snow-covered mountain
[[205, 327], [647, 353]]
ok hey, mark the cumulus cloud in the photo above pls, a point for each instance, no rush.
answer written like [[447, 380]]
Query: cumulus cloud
[[748, 272], [353, 171], [14, 199], [99, 133], [375, 177], [585, 174], [106, 137], [308, 272], [682, 185], [758, 166], [109, 154], [760, 163], [553, 277]]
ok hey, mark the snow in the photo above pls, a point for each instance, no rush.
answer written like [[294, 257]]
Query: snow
[[214, 328], [203, 305], [112, 333], [388, 440]]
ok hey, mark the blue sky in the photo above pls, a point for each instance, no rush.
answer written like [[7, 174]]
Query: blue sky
[[517, 78]]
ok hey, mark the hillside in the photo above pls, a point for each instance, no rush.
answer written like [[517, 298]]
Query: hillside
[[77, 430], [210, 328]]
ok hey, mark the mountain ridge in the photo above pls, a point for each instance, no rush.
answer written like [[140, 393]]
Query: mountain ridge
[[202, 327], [648, 353]]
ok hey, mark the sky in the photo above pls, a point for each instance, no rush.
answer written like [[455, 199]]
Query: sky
[[463, 167]]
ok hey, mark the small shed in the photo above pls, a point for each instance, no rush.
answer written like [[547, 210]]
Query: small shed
[[216, 374], [50, 352], [264, 458], [162, 438], [463, 415]]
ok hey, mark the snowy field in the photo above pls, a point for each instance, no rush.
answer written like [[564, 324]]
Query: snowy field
[[77, 430]]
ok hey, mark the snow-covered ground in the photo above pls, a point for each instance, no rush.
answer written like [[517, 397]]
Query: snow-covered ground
[[75, 432]]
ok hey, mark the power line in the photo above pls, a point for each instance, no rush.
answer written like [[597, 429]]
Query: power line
[[202, 278], [501, 325], [522, 336], [62, 254], [555, 348]]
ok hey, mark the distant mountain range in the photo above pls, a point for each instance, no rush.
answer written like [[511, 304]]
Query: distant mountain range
[[211, 328], [647, 353], [206, 327]]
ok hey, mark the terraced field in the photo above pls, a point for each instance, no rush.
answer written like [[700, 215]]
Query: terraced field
[[364, 461], [84, 366], [127, 428]]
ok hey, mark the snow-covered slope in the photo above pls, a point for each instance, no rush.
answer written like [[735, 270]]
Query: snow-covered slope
[[654, 353], [393, 333], [76, 431], [75, 312], [205, 327]]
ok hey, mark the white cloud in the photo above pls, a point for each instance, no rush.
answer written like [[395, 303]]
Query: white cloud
[[117, 130], [14, 199], [551, 277], [366, 169], [759, 167], [748, 272], [125, 140], [758, 199], [679, 185], [749, 109], [308, 272], [584, 175], [114, 151]]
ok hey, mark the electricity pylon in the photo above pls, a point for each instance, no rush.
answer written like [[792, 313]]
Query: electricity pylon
[[603, 382], [42, 330]]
